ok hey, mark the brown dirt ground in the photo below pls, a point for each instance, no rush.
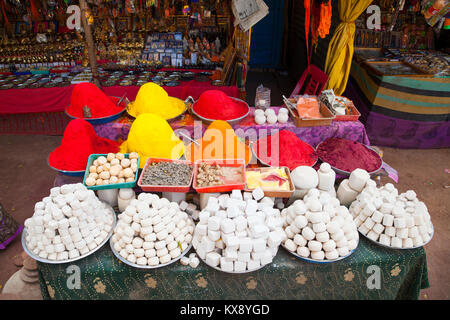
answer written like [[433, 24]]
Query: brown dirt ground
[[25, 179]]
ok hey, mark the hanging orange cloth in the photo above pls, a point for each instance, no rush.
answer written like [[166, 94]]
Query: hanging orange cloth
[[320, 21], [325, 19], [307, 19]]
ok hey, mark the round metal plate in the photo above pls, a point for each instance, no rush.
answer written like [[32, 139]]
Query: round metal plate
[[118, 256], [319, 261], [102, 119], [66, 172], [231, 121], [347, 173], [380, 244], [174, 118], [172, 83], [37, 258]]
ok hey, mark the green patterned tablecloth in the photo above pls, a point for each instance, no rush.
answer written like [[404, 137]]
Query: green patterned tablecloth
[[401, 275]]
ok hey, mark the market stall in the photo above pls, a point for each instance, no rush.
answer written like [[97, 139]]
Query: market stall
[[398, 81], [287, 278], [199, 214], [158, 197], [402, 112]]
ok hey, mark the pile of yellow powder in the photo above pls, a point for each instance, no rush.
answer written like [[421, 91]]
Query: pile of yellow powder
[[152, 98], [152, 137]]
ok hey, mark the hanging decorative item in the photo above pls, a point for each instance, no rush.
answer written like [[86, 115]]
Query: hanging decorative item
[[89, 16], [307, 4], [320, 20]]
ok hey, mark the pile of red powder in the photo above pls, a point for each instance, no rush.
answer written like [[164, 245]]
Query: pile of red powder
[[348, 155], [216, 105], [88, 94], [78, 143], [292, 152]]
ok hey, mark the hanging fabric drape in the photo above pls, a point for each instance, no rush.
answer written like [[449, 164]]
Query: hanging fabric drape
[[340, 50]]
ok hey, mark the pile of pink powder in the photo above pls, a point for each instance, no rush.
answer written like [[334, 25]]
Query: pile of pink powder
[[348, 155]]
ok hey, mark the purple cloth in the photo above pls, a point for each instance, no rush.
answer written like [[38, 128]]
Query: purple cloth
[[5, 243], [399, 133], [352, 130]]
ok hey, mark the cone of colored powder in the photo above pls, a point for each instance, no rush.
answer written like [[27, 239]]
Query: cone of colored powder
[[348, 155], [216, 105], [219, 142], [89, 95], [285, 149], [152, 137], [78, 143], [152, 98]]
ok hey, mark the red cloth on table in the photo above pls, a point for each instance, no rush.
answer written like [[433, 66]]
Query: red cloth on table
[[58, 98]]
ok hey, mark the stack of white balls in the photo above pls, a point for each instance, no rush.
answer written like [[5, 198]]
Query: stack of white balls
[[269, 116], [393, 220], [152, 231], [71, 222], [319, 228], [237, 233]]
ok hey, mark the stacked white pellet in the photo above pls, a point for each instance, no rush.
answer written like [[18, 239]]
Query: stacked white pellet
[[319, 228], [398, 221], [239, 234], [269, 116], [152, 231], [191, 261], [350, 188], [70, 222]]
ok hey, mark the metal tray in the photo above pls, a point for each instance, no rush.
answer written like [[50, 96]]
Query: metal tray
[[347, 173], [100, 120], [319, 261], [66, 172], [37, 258], [376, 242], [231, 121], [118, 256]]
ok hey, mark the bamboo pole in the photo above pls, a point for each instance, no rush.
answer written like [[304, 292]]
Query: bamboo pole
[[90, 43]]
